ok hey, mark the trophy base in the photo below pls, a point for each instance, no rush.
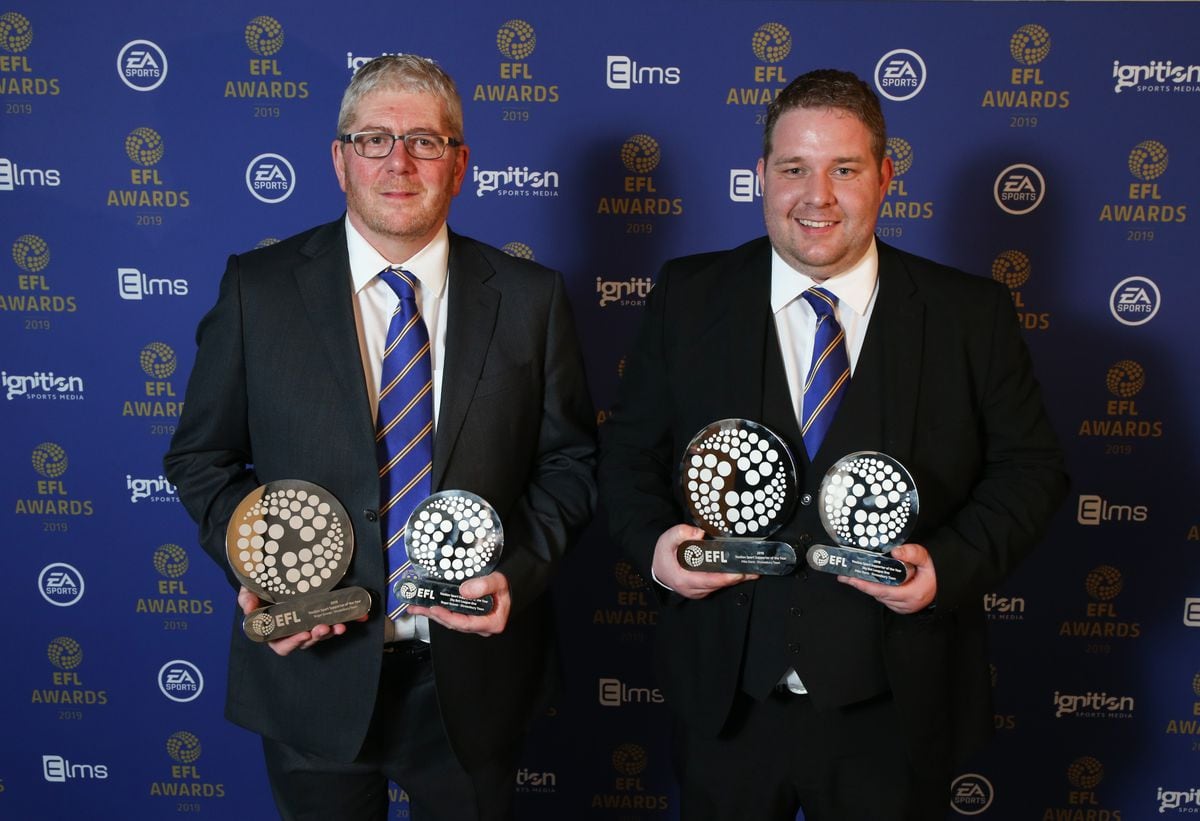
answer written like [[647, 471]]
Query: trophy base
[[737, 556], [859, 564], [425, 592], [300, 613]]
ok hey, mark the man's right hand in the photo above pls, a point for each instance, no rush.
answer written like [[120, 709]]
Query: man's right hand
[[302, 641], [690, 584]]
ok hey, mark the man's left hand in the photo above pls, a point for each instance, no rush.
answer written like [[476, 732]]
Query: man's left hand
[[916, 593], [490, 624]]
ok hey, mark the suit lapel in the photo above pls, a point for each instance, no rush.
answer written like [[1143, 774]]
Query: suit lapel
[[470, 325], [323, 281], [901, 325]]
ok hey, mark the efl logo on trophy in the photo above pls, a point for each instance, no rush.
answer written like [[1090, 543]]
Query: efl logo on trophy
[[869, 506], [450, 537], [739, 485], [289, 542]]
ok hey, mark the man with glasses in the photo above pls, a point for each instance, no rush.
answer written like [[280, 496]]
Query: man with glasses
[[287, 385]]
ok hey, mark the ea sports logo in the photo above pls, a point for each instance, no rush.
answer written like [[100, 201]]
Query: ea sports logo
[[516, 40], [772, 42], [60, 584], [264, 36], [971, 794], [900, 74], [1135, 300], [157, 360], [640, 153], [693, 556], [1148, 160], [1019, 189], [180, 680], [1030, 44], [1011, 268], [142, 65], [270, 178], [31, 253], [144, 146]]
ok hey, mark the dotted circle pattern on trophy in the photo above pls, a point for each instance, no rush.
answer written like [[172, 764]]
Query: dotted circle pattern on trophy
[[869, 501], [738, 479], [693, 556], [183, 747], [292, 539], [454, 535], [1148, 160], [31, 253], [1011, 268], [261, 624]]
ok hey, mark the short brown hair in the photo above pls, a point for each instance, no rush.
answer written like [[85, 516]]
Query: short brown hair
[[830, 88]]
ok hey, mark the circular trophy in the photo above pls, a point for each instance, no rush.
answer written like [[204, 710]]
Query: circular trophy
[[868, 506], [290, 542], [450, 537], [739, 484]]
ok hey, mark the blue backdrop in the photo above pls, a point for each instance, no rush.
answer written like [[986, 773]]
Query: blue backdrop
[[1051, 146]]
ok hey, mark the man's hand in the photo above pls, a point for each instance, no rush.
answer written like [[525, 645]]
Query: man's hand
[[490, 624], [916, 593], [690, 584], [300, 641]]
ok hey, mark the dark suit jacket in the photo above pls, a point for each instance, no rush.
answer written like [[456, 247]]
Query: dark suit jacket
[[943, 383], [278, 392]]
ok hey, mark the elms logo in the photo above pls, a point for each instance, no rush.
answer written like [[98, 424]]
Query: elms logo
[[59, 770], [142, 65], [270, 178], [623, 73], [12, 176], [180, 680]]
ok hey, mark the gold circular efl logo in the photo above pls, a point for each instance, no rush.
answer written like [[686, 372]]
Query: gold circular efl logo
[[901, 152], [1104, 582], [31, 253], [264, 36], [1011, 268], [627, 577], [144, 146], [170, 560], [516, 40], [641, 154], [183, 747], [1086, 773], [629, 759], [1030, 44], [49, 460], [65, 653], [771, 42], [158, 360], [518, 249], [1148, 160], [1125, 379], [16, 32]]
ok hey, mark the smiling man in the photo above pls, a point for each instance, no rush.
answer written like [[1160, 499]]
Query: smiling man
[[848, 699], [296, 377]]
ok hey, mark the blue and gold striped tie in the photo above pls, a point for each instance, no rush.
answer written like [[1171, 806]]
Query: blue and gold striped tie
[[828, 375], [404, 430]]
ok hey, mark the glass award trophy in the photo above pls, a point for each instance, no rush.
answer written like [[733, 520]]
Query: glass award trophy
[[289, 542], [450, 537], [739, 484], [868, 506]]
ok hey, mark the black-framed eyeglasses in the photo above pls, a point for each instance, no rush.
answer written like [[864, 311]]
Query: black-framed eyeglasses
[[375, 145]]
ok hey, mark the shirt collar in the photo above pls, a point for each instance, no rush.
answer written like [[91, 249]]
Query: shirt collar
[[429, 265], [853, 288]]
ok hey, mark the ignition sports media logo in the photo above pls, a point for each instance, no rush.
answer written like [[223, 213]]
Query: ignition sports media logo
[[50, 462], [771, 43], [518, 249], [627, 292], [515, 181], [1012, 268], [532, 781], [623, 73], [58, 770], [266, 80], [354, 62], [142, 65], [156, 489], [61, 584], [16, 36], [1029, 46], [1093, 511], [1003, 608], [270, 178], [1019, 189], [615, 693], [1147, 163], [900, 74], [180, 680], [516, 41], [640, 154], [1184, 801], [1092, 705], [13, 176], [971, 794], [1125, 379], [1156, 77], [146, 148], [899, 207], [134, 285], [41, 385]]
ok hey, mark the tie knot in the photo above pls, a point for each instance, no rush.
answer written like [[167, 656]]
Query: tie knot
[[822, 301], [400, 281]]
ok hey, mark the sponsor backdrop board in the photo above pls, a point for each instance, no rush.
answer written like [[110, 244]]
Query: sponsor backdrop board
[[1050, 146]]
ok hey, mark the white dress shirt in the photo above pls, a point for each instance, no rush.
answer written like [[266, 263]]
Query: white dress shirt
[[374, 303]]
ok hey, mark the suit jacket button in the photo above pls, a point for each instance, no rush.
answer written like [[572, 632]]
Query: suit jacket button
[[741, 599], [806, 499], [371, 515], [796, 611], [794, 649]]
